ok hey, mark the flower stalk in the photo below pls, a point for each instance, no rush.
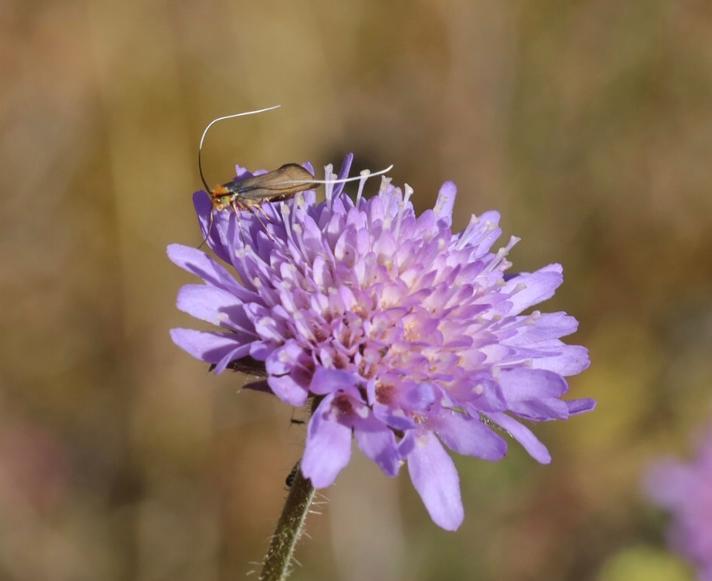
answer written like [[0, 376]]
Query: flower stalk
[[277, 564]]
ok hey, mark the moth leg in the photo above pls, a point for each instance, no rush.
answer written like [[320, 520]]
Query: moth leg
[[211, 220], [237, 207], [255, 209], [261, 209]]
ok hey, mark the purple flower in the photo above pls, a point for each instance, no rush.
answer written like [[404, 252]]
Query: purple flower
[[685, 489], [410, 338]]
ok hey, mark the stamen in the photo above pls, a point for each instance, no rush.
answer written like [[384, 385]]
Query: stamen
[[401, 207], [329, 183], [365, 174], [501, 254]]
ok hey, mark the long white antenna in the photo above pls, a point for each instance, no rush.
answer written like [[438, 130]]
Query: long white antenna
[[217, 120], [338, 181]]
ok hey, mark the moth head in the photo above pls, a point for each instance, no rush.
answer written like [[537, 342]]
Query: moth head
[[220, 197]]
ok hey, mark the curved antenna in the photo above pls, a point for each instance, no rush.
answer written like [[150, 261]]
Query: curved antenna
[[338, 181], [213, 122]]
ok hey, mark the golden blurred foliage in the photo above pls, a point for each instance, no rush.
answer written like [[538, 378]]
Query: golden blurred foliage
[[587, 124]]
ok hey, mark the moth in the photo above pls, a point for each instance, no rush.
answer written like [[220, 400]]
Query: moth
[[252, 192], [249, 193]]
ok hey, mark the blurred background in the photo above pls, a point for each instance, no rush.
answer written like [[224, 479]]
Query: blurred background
[[587, 124]]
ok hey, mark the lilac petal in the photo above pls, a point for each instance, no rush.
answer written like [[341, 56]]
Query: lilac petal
[[523, 435], [530, 289], [343, 173], [407, 444], [260, 350], [445, 202], [668, 483], [331, 380], [269, 328], [286, 388], [419, 396], [206, 346], [544, 327], [203, 208], [211, 304], [581, 406], [572, 360], [541, 410], [394, 417], [469, 436], [522, 384], [228, 358], [435, 478], [200, 264], [378, 443], [492, 398], [490, 218], [328, 447], [481, 233], [283, 359], [243, 172], [482, 392], [208, 220]]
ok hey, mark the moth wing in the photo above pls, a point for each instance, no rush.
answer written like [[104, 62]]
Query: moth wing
[[276, 184]]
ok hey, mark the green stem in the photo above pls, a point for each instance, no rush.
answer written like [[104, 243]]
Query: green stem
[[277, 564]]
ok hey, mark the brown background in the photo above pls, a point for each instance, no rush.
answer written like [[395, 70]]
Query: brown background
[[588, 124]]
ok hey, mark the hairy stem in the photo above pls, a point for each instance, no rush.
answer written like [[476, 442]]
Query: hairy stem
[[277, 564]]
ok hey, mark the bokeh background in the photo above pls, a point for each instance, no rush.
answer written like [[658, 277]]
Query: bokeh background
[[587, 123]]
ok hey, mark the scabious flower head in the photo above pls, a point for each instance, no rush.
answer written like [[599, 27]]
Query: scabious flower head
[[409, 338], [685, 489]]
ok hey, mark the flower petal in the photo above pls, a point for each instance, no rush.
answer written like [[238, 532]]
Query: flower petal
[[396, 418], [581, 406], [343, 173], [522, 384], [212, 304], [668, 483], [200, 264], [206, 346], [530, 289], [542, 327], [212, 224], [328, 447], [481, 233], [469, 436], [435, 478], [418, 396], [572, 360], [332, 380], [378, 443], [286, 388], [283, 359], [523, 435], [445, 202], [541, 410], [231, 356]]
